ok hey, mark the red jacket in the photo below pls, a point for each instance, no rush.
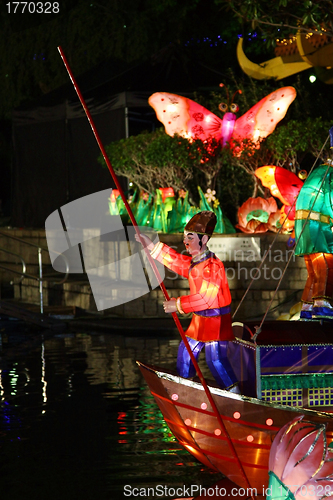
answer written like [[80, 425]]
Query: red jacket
[[209, 299]]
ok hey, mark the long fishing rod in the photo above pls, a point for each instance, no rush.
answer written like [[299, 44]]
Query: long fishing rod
[[152, 263]]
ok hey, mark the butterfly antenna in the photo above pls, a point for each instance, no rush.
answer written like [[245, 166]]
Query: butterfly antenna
[[237, 92], [226, 89]]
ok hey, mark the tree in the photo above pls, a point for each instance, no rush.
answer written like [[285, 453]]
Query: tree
[[281, 18], [295, 145], [91, 32], [154, 159]]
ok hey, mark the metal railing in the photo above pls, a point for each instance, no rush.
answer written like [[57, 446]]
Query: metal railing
[[23, 274], [24, 267]]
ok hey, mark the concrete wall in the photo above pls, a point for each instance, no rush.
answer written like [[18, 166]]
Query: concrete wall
[[241, 252]]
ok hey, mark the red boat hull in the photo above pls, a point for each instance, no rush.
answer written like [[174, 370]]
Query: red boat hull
[[250, 423]]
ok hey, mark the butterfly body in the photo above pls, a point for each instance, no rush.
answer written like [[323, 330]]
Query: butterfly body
[[227, 127], [189, 119]]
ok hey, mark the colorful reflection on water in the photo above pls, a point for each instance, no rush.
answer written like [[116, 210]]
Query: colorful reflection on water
[[77, 420]]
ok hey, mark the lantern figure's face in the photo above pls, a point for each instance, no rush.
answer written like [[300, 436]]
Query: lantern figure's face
[[192, 243]]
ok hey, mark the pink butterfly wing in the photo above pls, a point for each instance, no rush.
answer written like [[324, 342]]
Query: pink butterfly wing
[[262, 118], [185, 117]]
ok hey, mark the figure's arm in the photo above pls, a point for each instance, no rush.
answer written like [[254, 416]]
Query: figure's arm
[[171, 259], [166, 255]]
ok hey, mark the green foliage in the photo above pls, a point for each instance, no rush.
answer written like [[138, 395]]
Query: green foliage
[[169, 216], [280, 18], [154, 159], [292, 142]]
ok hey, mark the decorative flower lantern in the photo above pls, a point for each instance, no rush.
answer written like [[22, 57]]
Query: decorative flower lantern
[[167, 192], [257, 215], [300, 462], [114, 195], [210, 195]]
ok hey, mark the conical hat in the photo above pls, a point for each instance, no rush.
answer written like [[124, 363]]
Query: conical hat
[[202, 223]]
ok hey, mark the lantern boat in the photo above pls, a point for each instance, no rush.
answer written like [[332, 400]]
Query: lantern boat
[[286, 372]]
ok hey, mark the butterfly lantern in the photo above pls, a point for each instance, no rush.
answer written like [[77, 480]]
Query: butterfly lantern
[[189, 119], [284, 185]]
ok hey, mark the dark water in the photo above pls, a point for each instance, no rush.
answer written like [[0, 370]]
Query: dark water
[[77, 420]]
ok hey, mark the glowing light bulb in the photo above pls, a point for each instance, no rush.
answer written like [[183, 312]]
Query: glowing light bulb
[[256, 135], [172, 108]]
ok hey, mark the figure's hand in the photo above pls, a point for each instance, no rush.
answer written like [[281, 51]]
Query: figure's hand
[[170, 306], [147, 241]]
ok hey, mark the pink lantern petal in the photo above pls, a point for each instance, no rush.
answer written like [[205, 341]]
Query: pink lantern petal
[[279, 450], [325, 471], [305, 461]]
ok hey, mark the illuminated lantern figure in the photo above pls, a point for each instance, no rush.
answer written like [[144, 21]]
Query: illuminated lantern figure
[[313, 216], [285, 186], [300, 462], [209, 298], [313, 227], [189, 119]]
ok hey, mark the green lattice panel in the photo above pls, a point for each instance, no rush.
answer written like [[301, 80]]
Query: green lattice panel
[[292, 397], [320, 397]]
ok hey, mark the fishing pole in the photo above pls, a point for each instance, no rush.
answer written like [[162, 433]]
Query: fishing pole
[[152, 263]]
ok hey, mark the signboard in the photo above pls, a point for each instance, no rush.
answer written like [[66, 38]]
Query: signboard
[[236, 249]]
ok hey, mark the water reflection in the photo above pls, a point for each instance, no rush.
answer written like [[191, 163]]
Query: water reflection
[[77, 420]]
